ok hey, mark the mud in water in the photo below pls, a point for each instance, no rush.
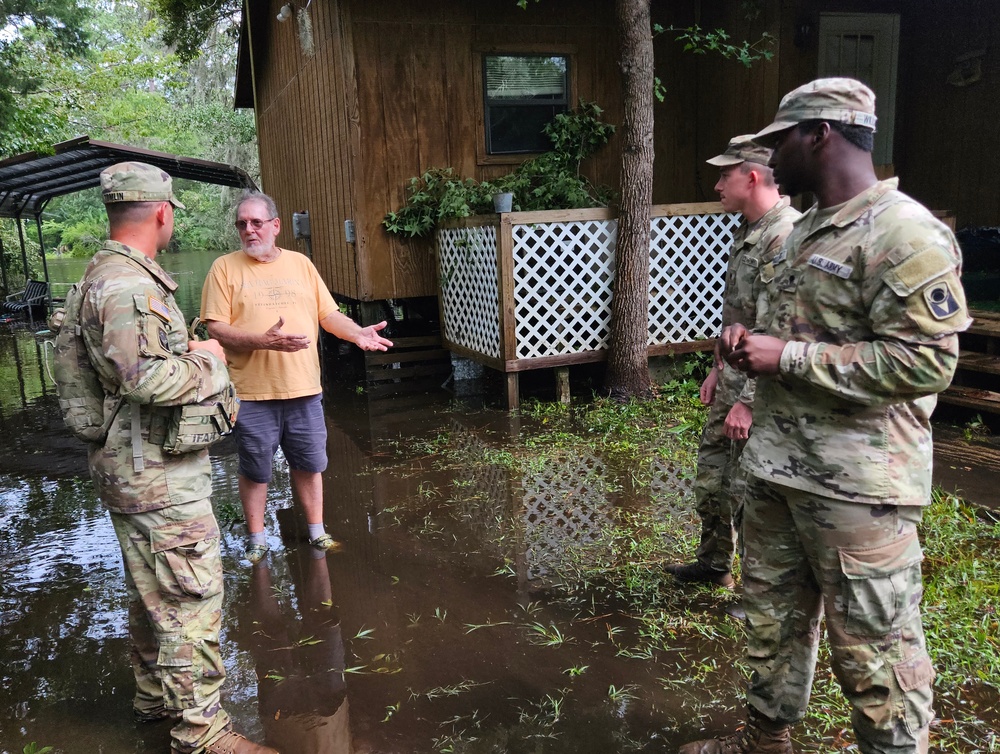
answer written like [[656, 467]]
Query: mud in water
[[425, 634]]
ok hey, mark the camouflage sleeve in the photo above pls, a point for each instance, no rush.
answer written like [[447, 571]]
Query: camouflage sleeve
[[748, 392], [916, 312], [143, 349]]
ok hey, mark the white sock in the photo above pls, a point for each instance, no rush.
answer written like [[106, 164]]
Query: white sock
[[316, 530], [258, 538]]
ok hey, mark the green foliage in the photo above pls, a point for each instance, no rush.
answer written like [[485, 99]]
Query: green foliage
[[702, 41], [76, 225], [187, 23], [122, 86], [962, 591], [549, 181], [34, 31], [34, 748], [12, 254]]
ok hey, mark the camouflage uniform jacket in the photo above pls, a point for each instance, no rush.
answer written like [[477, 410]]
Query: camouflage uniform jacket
[[136, 339], [754, 246], [870, 302]]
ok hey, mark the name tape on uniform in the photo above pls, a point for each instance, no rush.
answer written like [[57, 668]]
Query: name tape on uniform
[[829, 265]]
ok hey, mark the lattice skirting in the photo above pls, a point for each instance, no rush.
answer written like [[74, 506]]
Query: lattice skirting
[[562, 283], [467, 260]]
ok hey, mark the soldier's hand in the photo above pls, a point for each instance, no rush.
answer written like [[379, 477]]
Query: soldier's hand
[[738, 421], [212, 346], [757, 354], [707, 392], [730, 338], [276, 340]]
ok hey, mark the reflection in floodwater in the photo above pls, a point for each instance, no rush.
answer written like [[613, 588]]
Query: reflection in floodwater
[[288, 622], [433, 626]]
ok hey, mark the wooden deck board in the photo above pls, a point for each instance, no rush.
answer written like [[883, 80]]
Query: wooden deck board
[[978, 362], [984, 400]]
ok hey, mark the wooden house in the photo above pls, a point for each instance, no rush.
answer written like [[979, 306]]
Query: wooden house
[[354, 98]]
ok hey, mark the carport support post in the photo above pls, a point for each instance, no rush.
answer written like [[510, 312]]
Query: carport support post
[[3, 267], [24, 253], [41, 252]]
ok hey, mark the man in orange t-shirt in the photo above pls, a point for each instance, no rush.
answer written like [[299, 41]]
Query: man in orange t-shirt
[[265, 305]]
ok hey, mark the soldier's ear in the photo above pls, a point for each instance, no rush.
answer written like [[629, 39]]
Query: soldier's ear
[[161, 213], [821, 133]]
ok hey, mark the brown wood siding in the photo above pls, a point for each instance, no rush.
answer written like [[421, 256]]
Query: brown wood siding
[[304, 130], [420, 106], [394, 90]]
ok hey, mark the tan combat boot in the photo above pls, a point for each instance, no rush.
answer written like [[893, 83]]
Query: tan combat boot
[[233, 743], [758, 736]]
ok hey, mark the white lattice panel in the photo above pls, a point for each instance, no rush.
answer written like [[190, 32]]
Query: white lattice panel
[[468, 263], [562, 286], [563, 274], [687, 273]]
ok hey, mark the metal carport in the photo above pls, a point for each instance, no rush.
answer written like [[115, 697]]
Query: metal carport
[[29, 181]]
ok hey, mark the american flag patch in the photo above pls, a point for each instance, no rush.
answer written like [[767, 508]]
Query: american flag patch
[[159, 308]]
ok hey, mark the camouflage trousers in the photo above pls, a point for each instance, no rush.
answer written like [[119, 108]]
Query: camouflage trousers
[[718, 488], [173, 574], [809, 556]]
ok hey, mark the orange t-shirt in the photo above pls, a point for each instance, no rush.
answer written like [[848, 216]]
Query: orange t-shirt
[[252, 295]]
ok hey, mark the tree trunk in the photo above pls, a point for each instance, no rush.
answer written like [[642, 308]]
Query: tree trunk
[[628, 364]]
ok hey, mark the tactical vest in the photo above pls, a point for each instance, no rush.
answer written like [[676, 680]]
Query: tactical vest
[[82, 394]]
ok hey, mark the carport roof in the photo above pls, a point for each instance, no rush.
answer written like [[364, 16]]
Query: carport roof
[[28, 181]]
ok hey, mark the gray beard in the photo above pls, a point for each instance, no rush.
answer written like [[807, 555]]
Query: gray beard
[[261, 254]]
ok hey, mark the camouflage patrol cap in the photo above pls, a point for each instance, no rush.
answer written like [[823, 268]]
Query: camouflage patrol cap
[[137, 182], [841, 100], [741, 149]]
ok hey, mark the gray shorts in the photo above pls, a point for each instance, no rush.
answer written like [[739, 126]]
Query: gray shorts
[[297, 425]]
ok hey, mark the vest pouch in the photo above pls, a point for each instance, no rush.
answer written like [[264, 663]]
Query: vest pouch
[[198, 425]]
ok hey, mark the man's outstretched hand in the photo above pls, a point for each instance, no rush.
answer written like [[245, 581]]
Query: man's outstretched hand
[[368, 338], [277, 340]]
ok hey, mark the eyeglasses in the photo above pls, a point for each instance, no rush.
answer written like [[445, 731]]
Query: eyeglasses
[[256, 224]]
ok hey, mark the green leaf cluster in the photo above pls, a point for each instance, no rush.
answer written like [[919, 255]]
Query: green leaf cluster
[[187, 23], [551, 180], [700, 41]]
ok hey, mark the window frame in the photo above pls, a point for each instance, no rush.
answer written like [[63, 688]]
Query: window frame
[[483, 156]]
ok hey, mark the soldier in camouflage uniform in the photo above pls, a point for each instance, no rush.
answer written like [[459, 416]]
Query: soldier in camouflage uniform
[[863, 334], [745, 185], [159, 503]]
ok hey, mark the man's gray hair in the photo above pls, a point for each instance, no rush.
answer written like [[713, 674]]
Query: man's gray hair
[[257, 196]]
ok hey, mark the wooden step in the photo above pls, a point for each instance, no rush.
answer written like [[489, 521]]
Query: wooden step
[[987, 327], [413, 364], [978, 362], [984, 323], [970, 397], [983, 314]]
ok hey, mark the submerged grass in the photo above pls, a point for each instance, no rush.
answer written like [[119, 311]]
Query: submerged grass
[[637, 461]]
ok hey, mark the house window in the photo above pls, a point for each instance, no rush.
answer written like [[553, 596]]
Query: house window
[[523, 93]]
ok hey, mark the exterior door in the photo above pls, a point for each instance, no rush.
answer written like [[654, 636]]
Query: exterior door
[[865, 46]]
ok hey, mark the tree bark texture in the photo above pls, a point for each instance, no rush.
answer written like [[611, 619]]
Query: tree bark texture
[[628, 364]]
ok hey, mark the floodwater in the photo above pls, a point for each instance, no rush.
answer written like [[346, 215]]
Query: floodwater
[[417, 637]]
